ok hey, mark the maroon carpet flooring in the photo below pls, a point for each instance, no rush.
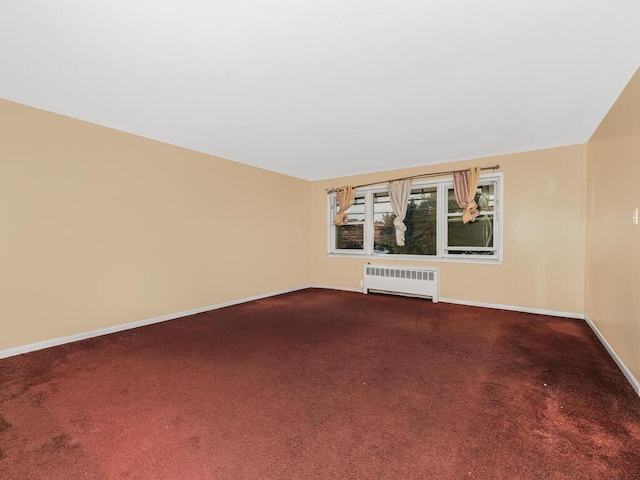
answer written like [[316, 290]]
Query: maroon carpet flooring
[[324, 385]]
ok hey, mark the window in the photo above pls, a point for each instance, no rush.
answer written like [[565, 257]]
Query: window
[[421, 220], [350, 237], [434, 224], [473, 238]]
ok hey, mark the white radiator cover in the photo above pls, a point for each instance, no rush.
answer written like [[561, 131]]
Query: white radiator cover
[[414, 281]]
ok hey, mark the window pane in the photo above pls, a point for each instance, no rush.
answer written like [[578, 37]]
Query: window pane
[[420, 237], [484, 198], [351, 235], [472, 234]]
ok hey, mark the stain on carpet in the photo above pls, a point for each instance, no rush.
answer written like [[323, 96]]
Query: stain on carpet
[[61, 442], [4, 425]]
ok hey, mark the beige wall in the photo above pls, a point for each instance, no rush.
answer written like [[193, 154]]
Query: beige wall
[[544, 235], [101, 228], [612, 285]]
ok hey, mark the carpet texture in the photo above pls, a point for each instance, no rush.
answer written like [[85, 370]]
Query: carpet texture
[[324, 384]]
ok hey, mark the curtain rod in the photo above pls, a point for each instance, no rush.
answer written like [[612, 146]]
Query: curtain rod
[[424, 175]]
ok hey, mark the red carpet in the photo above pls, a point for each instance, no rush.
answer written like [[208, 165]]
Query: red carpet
[[324, 385]]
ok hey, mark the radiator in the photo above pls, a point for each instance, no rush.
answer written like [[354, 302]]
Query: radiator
[[414, 281]]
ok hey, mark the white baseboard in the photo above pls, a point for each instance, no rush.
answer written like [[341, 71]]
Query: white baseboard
[[538, 311], [625, 370], [345, 289], [10, 352]]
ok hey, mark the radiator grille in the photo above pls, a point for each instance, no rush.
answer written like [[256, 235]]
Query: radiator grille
[[401, 280], [427, 275]]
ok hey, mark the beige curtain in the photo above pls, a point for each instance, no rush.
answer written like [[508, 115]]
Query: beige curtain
[[346, 197], [465, 184], [399, 196]]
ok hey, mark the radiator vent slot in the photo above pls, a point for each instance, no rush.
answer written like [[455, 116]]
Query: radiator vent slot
[[414, 281]]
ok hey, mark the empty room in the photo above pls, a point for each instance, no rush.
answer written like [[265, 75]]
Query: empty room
[[329, 240]]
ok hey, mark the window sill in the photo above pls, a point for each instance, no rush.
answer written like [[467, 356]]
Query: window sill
[[417, 258]]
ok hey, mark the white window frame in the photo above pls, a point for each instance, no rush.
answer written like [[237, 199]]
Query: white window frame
[[333, 208], [442, 254]]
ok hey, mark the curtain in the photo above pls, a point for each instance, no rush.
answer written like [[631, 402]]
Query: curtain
[[465, 184], [399, 196], [346, 196]]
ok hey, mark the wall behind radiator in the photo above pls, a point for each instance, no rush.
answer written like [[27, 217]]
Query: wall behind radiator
[[544, 234]]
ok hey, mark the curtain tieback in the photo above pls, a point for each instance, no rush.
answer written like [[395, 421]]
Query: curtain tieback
[[470, 212], [399, 224], [341, 218]]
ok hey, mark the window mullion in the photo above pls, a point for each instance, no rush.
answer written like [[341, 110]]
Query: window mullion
[[368, 222], [330, 227], [442, 219]]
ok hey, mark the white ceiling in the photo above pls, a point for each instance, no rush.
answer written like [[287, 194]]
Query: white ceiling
[[325, 88]]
